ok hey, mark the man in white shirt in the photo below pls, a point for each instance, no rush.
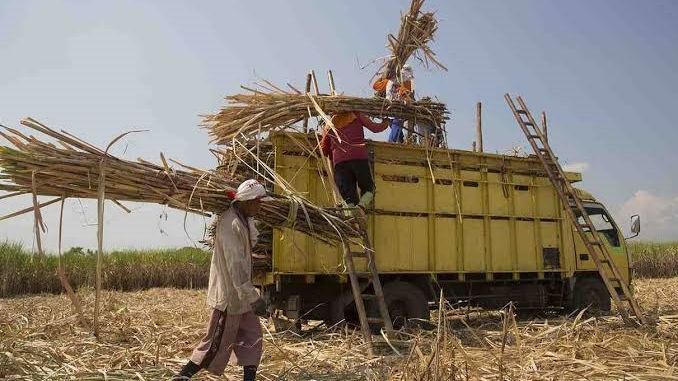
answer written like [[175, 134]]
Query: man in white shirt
[[233, 328]]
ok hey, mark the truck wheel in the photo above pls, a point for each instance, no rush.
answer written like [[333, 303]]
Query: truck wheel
[[341, 311], [336, 316], [591, 293], [407, 305]]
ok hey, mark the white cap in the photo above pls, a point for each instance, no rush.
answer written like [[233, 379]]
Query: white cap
[[251, 190]]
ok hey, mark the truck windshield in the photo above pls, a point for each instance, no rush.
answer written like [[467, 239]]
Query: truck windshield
[[603, 224]]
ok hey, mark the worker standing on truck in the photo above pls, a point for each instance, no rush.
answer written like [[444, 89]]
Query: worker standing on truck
[[345, 146], [428, 133], [400, 90], [233, 327]]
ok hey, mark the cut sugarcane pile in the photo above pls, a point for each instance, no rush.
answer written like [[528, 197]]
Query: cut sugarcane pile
[[148, 335], [73, 169], [247, 115]]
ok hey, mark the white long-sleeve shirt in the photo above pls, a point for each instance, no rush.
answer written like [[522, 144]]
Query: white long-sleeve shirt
[[230, 285]]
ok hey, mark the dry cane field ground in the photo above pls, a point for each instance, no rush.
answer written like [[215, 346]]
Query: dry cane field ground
[[148, 334]]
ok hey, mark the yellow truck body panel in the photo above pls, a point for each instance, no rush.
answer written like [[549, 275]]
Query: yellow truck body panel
[[440, 211]]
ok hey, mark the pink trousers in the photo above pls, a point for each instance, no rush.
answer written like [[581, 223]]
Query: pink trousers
[[227, 335]]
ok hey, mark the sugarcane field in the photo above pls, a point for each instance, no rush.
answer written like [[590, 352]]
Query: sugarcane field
[[258, 190]]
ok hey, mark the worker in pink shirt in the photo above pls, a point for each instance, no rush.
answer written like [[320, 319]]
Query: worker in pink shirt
[[349, 156]]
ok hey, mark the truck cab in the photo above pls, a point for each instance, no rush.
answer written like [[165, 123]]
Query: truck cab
[[592, 292]]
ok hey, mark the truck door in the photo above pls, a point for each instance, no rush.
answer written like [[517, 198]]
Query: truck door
[[609, 233]]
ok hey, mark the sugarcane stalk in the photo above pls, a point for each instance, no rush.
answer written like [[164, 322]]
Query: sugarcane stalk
[[71, 168]]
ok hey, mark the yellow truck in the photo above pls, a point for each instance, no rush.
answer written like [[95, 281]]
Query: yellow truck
[[484, 228]]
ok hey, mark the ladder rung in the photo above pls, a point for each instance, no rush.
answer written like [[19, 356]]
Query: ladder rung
[[375, 320], [571, 200], [358, 254], [364, 275], [369, 296]]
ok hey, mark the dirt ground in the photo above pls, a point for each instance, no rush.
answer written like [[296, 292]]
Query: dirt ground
[[148, 335]]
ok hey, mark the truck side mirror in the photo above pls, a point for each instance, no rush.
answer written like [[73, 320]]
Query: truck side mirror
[[635, 225]]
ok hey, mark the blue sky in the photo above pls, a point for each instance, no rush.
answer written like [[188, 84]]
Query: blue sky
[[605, 72]]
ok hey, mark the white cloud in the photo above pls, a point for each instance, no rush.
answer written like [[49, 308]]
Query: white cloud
[[578, 166], [658, 215]]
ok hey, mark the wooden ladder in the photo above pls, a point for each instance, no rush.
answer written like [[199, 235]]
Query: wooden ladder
[[596, 247], [372, 277]]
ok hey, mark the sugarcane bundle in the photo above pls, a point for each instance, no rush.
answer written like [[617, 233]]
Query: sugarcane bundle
[[73, 169], [245, 159], [262, 252], [247, 115], [416, 32]]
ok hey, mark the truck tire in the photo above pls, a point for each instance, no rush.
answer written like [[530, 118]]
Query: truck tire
[[592, 294], [336, 316], [342, 311], [407, 305]]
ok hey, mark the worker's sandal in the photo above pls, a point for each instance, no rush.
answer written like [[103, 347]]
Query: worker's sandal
[[188, 371]]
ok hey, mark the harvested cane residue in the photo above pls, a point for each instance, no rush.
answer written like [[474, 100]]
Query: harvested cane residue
[[148, 335]]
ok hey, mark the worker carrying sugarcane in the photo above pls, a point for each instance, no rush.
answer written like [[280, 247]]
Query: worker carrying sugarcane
[[345, 146], [397, 89], [233, 327]]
